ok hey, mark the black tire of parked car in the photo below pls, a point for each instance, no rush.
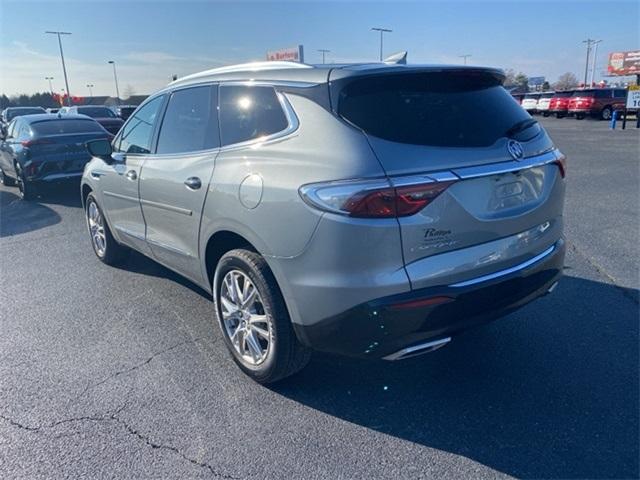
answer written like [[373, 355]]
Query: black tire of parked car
[[114, 253], [287, 355], [580, 116], [26, 189], [559, 115], [8, 181], [606, 113], [545, 114]]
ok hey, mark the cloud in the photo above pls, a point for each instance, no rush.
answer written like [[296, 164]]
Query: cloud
[[144, 71]]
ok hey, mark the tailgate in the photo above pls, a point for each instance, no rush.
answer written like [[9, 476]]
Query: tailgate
[[461, 128]]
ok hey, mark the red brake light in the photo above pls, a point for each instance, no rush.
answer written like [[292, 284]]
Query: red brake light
[[373, 199], [40, 141], [561, 161]]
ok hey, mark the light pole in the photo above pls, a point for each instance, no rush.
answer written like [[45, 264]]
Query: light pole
[[382, 32], [588, 41], [50, 84], [595, 54], [90, 86], [115, 76], [465, 56], [64, 68], [323, 51]]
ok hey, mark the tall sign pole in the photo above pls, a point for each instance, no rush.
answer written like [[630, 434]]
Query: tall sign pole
[[382, 32], [64, 68]]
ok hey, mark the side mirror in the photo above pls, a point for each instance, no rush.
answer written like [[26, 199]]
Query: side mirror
[[101, 149]]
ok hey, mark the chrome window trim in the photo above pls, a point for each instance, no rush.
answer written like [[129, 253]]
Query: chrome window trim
[[507, 271], [169, 248], [292, 124]]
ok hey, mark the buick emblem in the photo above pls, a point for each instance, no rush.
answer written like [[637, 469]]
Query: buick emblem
[[515, 149]]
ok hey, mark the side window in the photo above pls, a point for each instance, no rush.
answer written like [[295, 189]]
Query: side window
[[620, 93], [247, 113], [24, 132], [602, 94], [135, 135], [190, 122], [11, 131]]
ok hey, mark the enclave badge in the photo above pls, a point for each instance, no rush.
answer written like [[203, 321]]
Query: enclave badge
[[515, 149]]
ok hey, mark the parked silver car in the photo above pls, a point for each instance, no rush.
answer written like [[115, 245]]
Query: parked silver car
[[369, 210]]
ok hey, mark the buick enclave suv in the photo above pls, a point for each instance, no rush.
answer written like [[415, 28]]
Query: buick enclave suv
[[368, 210]]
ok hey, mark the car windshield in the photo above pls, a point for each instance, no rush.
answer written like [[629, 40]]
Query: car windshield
[[453, 109], [97, 112], [11, 114], [61, 126]]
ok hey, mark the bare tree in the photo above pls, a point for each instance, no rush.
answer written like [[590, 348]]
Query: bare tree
[[510, 77], [566, 81], [128, 91]]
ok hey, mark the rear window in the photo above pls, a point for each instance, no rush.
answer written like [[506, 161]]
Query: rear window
[[24, 111], [445, 109], [97, 112], [58, 127], [583, 93]]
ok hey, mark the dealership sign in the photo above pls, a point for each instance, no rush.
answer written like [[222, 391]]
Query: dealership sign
[[624, 63], [535, 81], [633, 97], [293, 54]]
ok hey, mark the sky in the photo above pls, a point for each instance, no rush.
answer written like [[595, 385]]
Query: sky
[[152, 40]]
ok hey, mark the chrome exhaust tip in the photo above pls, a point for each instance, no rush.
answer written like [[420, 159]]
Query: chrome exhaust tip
[[418, 349]]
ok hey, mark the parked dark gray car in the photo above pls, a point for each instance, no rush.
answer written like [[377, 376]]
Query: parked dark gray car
[[39, 149], [369, 210]]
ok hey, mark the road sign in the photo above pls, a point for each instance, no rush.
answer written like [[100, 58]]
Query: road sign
[[535, 81], [633, 97]]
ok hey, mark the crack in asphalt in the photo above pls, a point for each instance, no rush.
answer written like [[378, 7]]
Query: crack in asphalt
[[135, 367], [113, 417], [602, 271], [152, 444]]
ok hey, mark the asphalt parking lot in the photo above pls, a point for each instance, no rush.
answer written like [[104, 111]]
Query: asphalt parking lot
[[121, 373]]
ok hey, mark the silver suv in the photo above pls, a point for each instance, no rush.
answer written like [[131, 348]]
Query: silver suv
[[368, 210]]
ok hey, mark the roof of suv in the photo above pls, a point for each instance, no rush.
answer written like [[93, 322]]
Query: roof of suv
[[291, 72]]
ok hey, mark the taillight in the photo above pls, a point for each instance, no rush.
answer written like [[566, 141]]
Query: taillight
[[39, 141], [373, 199], [561, 161]]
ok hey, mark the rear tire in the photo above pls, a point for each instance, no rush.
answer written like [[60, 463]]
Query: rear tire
[[26, 189], [559, 115], [545, 114], [277, 353], [104, 245], [8, 181], [580, 116], [606, 113]]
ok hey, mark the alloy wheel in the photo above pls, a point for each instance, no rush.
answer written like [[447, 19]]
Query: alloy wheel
[[245, 321], [96, 229]]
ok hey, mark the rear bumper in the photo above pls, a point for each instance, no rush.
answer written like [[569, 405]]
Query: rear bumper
[[383, 327]]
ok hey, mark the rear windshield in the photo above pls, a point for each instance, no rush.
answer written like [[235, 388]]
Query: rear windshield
[[23, 111], [583, 93], [57, 127], [97, 112], [563, 94], [448, 109]]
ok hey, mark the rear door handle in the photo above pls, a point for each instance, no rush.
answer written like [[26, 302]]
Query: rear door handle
[[193, 183], [131, 175]]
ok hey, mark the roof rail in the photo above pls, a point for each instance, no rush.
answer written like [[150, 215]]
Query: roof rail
[[245, 67]]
